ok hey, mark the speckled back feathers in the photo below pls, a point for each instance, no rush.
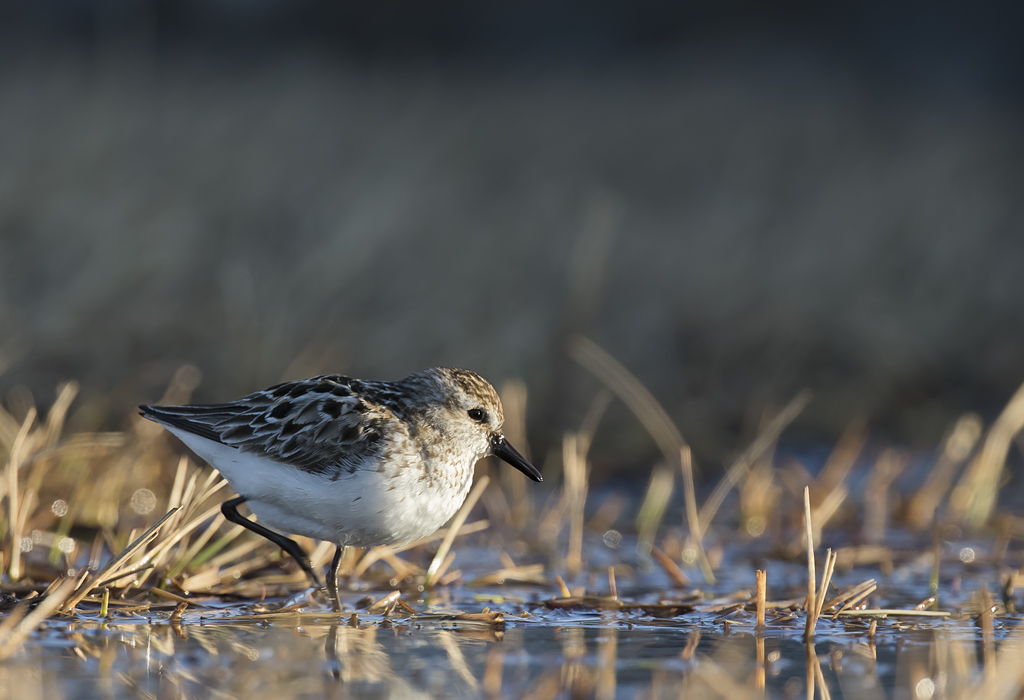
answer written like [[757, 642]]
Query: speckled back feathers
[[332, 424]]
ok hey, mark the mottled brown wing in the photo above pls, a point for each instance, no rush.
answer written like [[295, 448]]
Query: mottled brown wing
[[318, 425]]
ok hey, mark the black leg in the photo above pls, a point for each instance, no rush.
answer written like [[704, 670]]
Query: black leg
[[230, 511], [331, 652], [332, 579]]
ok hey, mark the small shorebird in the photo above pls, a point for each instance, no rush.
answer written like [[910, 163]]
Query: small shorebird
[[357, 463]]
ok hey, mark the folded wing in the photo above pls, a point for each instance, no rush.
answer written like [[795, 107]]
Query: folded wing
[[318, 425]]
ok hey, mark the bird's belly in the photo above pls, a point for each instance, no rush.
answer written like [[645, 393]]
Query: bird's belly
[[364, 510]]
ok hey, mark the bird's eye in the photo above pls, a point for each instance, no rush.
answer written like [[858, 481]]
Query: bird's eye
[[478, 414]]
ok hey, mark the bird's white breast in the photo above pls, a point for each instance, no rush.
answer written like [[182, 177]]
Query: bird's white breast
[[368, 507]]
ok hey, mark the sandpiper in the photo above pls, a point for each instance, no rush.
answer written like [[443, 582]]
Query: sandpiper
[[357, 463]]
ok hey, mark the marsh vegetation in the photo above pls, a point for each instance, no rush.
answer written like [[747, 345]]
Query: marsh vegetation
[[121, 577]]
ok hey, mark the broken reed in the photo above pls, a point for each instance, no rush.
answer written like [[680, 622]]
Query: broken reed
[[762, 592], [815, 598]]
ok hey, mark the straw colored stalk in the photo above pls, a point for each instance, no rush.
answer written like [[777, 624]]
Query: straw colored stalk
[[679, 578], [842, 459], [16, 507], [575, 470], [851, 598], [894, 612], [652, 508], [815, 599], [692, 516], [634, 394], [762, 592], [453, 529], [974, 497], [827, 508], [742, 465], [988, 645], [956, 448], [115, 568], [375, 554], [513, 399], [809, 540], [653, 417], [826, 579], [172, 536], [887, 467]]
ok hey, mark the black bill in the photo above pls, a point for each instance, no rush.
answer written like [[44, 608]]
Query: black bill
[[502, 448]]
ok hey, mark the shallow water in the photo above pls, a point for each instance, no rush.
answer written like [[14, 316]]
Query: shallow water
[[239, 650], [692, 641]]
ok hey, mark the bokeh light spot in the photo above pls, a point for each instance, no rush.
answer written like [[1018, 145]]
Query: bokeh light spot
[[143, 501]]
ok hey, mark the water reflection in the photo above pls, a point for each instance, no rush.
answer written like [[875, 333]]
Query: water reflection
[[346, 657]]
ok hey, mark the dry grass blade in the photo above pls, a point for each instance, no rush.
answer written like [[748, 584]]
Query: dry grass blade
[[197, 546], [513, 399], [856, 600], [827, 508], [671, 568], [652, 508], [575, 470], [740, 467], [809, 534], [974, 497], [384, 603], [375, 554], [57, 414], [631, 391], [850, 597], [453, 529], [530, 573], [438, 575], [826, 579], [887, 467], [653, 417], [841, 460], [112, 570], [174, 534], [957, 446], [692, 516], [894, 612], [16, 507]]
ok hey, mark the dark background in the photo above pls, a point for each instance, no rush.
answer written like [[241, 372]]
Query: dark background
[[735, 199]]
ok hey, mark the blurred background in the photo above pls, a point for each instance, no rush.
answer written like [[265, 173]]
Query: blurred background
[[736, 200]]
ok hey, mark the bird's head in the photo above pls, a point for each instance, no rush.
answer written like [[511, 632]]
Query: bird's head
[[472, 412]]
